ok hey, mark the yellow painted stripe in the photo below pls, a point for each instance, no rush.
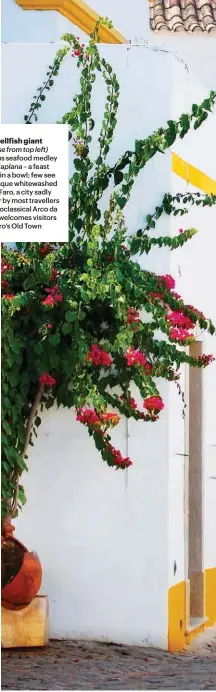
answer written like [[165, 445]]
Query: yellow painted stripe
[[210, 595], [192, 175], [79, 13], [178, 615]]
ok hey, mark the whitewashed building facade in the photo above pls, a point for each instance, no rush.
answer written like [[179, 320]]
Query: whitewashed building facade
[[131, 557]]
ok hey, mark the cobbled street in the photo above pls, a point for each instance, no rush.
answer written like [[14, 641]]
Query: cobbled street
[[73, 665]]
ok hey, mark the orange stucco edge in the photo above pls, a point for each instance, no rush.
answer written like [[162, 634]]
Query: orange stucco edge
[[177, 611], [79, 13]]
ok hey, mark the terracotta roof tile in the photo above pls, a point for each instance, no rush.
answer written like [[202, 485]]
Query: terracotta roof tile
[[183, 15]]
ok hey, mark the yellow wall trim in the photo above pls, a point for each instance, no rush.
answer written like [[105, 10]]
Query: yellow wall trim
[[177, 617], [79, 13], [193, 175], [178, 634], [210, 595]]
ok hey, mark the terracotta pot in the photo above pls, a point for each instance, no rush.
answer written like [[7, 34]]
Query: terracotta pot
[[21, 571]]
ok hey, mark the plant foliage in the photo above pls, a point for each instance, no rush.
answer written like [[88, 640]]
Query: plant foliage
[[83, 323]]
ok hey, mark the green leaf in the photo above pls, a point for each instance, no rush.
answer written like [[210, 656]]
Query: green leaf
[[124, 161], [135, 245], [206, 104], [37, 421], [21, 495], [67, 328], [78, 164], [70, 316], [121, 201], [54, 339], [185, 123], [91, 124], [84, 295], [78, 223], [82, 315], [118, 177]]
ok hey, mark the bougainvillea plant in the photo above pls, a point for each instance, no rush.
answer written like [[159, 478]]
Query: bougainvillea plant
[[83, 323]]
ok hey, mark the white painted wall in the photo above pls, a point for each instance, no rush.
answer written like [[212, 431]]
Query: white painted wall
[[109, 546], [103, 570], [30, 26]]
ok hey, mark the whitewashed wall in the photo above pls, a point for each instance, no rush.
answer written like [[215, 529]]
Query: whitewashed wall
[[108, 540]]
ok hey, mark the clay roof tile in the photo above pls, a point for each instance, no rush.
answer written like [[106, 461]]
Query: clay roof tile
[[183, 15]]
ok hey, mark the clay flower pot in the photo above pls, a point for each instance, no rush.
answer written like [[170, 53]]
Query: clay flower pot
[[21, 571]]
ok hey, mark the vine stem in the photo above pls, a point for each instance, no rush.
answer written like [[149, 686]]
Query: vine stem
[[28, 434], [52, 73]]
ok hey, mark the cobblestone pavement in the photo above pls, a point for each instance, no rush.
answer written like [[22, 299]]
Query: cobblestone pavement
[[73, 665]]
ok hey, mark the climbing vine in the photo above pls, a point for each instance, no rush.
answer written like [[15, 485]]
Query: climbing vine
[[83, 324]]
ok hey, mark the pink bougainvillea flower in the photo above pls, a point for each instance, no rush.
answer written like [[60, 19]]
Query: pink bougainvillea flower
[[54, 274], [178, 319], [88, 416], [155, 294], [168, 281], [117, 458], [49, 325], [4, 283], [137, 358], [47, 379], [58, 297], [153, 403], [181, 230], [176, 295], [180, 334], [91, 418], [49, 300], [53, 296], [44, 249], [8, 296], [132, 316], [52, 290], [112, 418], [126, 250], [110, 258], [98, 356], [132, 403], [197, 312], [5, 266], [205, 359]]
